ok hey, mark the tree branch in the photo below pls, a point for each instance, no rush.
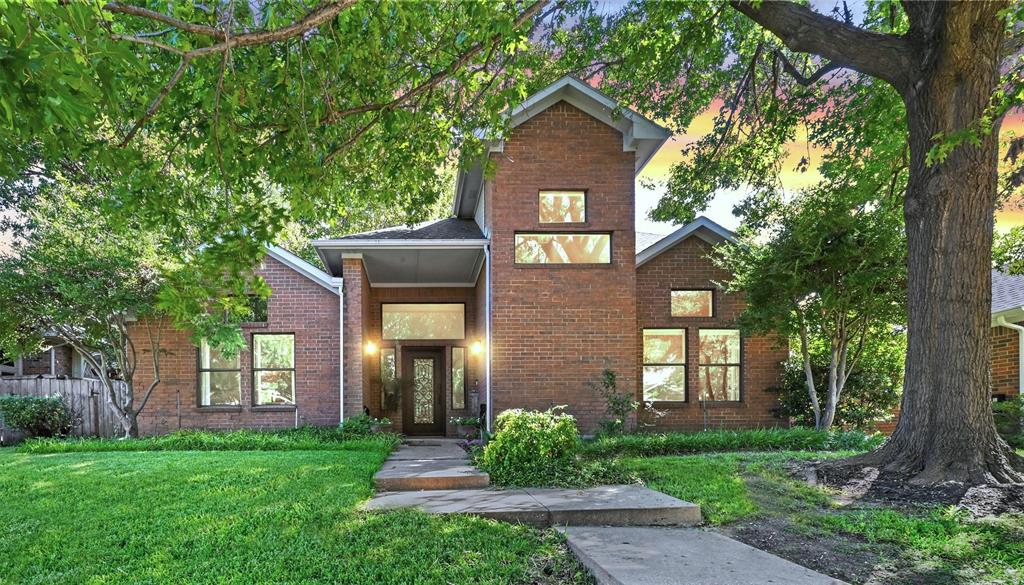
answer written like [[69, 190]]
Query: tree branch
[[802, 30], [799, 77], [199, 29], [159, 100]]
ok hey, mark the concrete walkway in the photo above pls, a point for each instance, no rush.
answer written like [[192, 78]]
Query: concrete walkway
[[610, 505], [674, 556], [429, 464]]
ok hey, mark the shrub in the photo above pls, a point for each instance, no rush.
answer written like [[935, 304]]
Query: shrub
[[796, 439], [306, 438], [1008, 421], [358, 425], [618, 405], [531, 448], [37, 415], [871, 393]]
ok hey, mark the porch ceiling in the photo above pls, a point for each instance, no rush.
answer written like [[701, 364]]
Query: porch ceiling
[[408, 264]]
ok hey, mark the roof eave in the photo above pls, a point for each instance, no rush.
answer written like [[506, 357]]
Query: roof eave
[[1011, 315]]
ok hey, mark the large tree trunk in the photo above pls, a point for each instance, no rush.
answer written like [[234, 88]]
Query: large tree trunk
[[946, 430]]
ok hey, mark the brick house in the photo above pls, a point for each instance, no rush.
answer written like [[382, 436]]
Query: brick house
[[536, 285], [1007, 335]]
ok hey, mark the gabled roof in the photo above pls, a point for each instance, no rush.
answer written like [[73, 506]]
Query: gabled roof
[[701, 227], [302, 267], [1007, 296], [451, 228], [645, 240], [639, 134]]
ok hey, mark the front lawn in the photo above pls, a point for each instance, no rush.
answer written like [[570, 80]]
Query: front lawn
[[243, 517], [755, 498]]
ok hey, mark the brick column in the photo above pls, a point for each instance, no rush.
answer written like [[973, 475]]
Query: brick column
[[356, 296]]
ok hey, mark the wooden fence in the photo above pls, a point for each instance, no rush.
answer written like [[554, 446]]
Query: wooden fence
[[84, 397]]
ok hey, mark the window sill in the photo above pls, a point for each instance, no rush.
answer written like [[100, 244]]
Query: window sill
[[254, 325], [273, 408], [217, 408]]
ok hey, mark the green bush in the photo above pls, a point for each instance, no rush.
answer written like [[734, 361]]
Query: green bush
[[871, 393], [37, 416], [795, 439], [531, 448], [1008, 421], [358, 425], [306, 438]]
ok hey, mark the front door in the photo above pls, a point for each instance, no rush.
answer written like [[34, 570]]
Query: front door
[[423, 400]]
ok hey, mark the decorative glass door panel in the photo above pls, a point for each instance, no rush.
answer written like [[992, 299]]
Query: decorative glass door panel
[[423, 390]]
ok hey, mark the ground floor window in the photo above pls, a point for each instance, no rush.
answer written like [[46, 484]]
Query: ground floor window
[[220, 378], [719, 372], [664, 376], [273, 368], [458, 378]]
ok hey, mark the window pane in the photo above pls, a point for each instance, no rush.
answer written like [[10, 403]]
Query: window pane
[[424, 321], [719, 383], [273, 351], [257, 309], [458, 378], [563, 248], [275, 387], [221, 388], [691, 303], [563, 207], [664, 346], [719, 346], [211, 359], [387, 364], [665, 383]]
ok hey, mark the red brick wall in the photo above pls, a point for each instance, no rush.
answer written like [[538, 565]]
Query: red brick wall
[[1005, 362], [555, 328], [297, 305], [357, 293], [686, 265], [372, 332]]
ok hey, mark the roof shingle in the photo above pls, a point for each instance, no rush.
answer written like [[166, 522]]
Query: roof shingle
[[451, 228]]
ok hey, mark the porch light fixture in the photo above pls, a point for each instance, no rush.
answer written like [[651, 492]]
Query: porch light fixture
[[476, 348], [371, 348]]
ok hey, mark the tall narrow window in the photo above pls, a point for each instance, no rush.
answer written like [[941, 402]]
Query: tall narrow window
[[579, 248], [720, 365], [692, 303], [563, 207], [458, 378], [220, 378], [273, 368], [665, 365], [388, 374]]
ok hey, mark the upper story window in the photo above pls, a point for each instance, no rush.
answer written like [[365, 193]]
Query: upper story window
[[563, 207], [220, 378], [579, 248], [257, 309], [692, 303], [423, 321]]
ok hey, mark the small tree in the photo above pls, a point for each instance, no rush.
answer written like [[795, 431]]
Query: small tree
[[99, 286], [825, 270]]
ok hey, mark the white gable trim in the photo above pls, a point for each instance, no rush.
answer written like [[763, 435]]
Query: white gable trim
[[701, 227], [302, 267]]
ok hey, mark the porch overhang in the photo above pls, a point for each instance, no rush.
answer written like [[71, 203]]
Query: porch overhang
[[393, 262]]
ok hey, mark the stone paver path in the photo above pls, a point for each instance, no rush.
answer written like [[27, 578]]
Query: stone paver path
[[429, 464], [610, 505], [681, 556]]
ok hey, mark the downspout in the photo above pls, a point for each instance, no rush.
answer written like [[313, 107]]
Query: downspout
[[1002, 322], [487, 345], [340, 283]]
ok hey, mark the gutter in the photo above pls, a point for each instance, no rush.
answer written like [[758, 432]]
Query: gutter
[[1002, 322], [340, 283]]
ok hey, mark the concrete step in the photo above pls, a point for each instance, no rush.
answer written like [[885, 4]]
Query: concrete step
[[622, 505], [398, 475], [668, 556]]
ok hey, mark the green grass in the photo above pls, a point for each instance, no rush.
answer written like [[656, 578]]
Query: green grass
[[307, 438], [240, 517], [944, 543], [795, 439]]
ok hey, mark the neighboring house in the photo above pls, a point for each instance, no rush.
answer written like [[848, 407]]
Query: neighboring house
[[59, 361], [1007, 335], [536, 285]]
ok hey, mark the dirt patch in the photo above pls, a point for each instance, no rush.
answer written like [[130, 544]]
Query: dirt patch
[[844, 557], [867, 486], [559, 568]]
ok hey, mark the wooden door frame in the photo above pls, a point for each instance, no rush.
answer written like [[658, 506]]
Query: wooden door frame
[[437, 428]]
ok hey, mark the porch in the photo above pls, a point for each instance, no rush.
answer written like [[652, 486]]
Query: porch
[[415, 325]]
